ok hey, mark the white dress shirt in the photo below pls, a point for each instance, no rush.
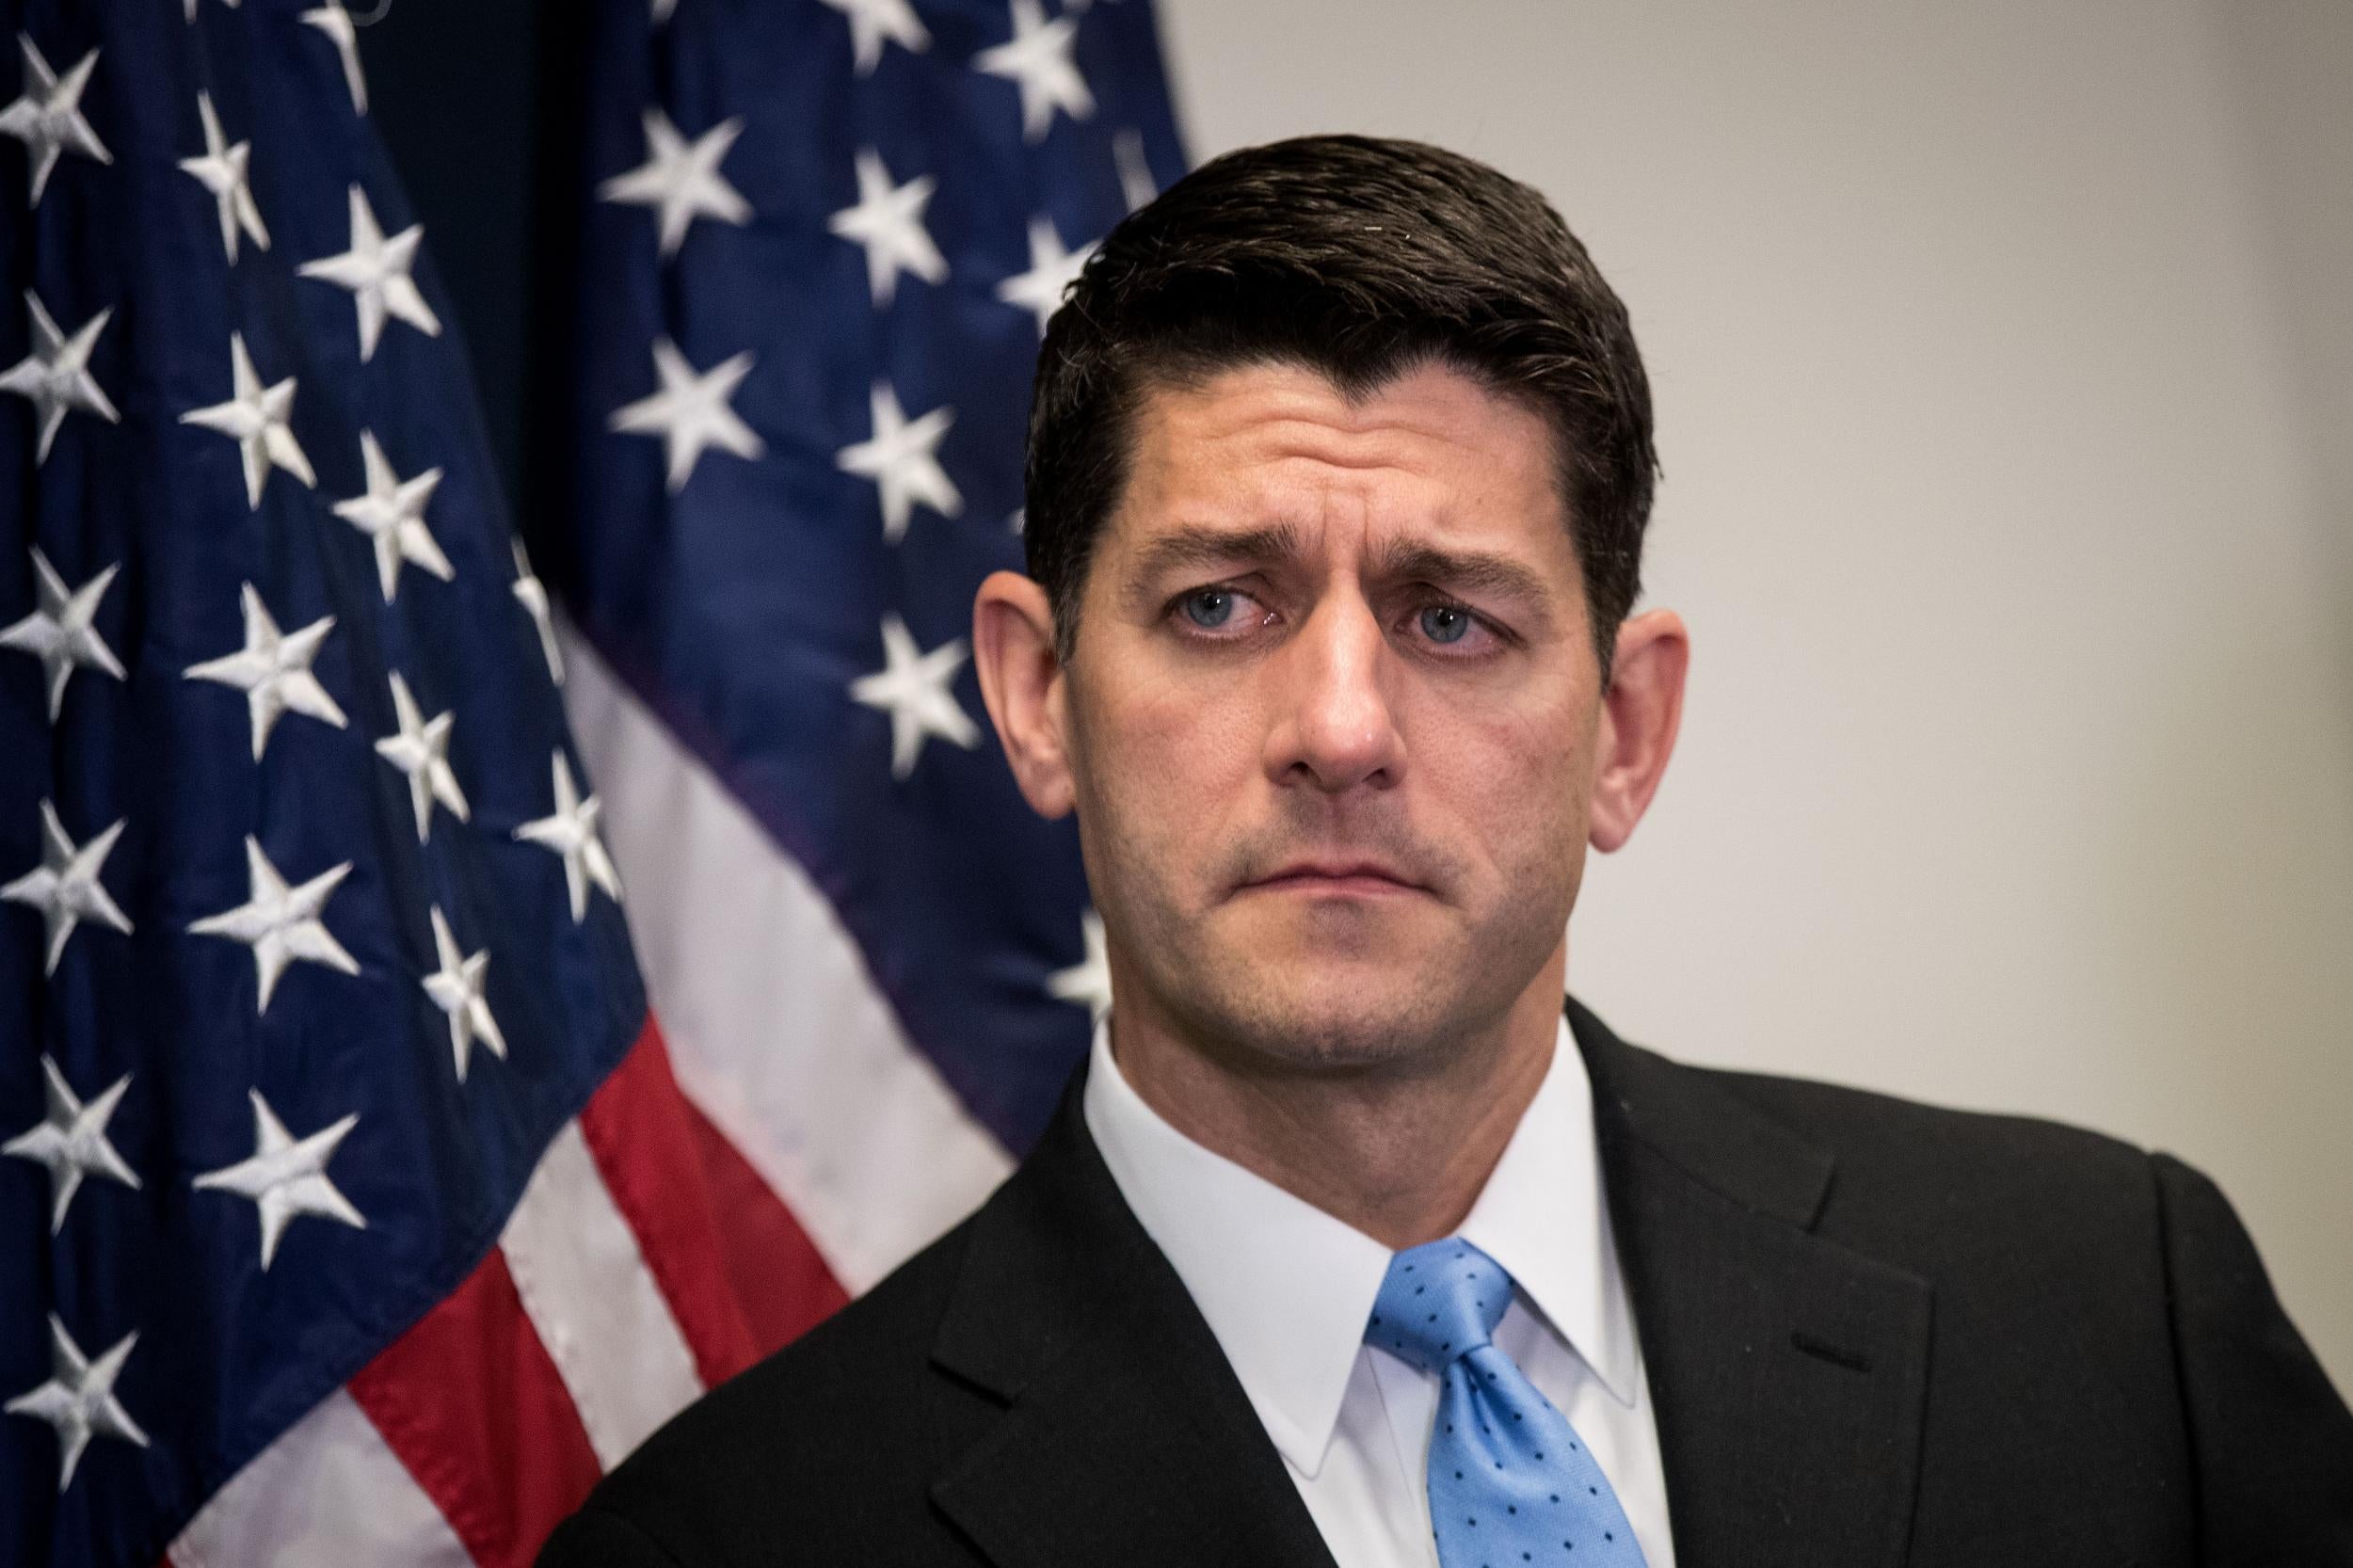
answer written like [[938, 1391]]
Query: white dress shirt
[[1287, 1289]]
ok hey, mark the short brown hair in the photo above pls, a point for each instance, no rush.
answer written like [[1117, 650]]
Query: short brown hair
[[1359, 258]]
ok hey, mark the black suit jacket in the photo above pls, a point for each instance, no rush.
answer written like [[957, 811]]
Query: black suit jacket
[[1877, 1334]]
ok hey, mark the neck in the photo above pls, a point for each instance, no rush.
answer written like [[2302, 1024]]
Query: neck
[[1398, 1151]]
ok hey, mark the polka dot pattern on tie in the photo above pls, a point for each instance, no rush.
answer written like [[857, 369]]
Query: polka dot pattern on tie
[[1510, 1481]]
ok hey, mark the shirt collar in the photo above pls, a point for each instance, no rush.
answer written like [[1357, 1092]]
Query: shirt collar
[[1541, 1216], [1285, 1288], [1288, 1288]]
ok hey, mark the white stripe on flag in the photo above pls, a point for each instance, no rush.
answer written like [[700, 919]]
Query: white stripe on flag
[[586, 1287], [775, 1026], [328, 1491]]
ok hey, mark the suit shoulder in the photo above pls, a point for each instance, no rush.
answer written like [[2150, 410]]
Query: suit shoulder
[[1860, 1130], [2016, 1221], [1917, 1166], [1846, 1117]]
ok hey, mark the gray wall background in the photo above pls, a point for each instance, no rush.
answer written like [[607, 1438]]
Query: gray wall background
[[2004, 364]]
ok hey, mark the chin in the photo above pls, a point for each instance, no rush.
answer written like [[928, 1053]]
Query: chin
[[1333, 1014]]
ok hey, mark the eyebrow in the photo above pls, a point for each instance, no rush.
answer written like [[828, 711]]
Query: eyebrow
[[1197, 545], [1475, 573], [1467, 571]]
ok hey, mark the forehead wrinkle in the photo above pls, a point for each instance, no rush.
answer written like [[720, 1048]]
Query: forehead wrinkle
[[1390, 445], [1387, 471]]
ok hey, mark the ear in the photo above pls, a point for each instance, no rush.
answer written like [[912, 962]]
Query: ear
[[1021, 681], [1641, 714]]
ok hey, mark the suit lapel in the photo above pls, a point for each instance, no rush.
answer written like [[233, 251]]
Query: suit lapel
[[1787, 1373], [1127, 1437]]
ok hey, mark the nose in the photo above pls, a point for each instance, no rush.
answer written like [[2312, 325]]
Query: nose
[[1335, 727]]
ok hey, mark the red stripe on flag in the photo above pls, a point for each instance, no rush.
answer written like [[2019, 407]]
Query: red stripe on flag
[[740, 1274], [779, 1275], [475, 1409]]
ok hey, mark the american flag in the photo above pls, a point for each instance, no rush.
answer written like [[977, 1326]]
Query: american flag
[[353, 1208]]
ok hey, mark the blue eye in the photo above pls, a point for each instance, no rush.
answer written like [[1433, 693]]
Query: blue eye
[[1209, 607], [1445, 623]]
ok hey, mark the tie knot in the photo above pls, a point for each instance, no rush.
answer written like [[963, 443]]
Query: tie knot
[[1440, 1300]]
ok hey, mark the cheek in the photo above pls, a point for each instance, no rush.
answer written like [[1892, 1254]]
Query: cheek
[[1514, 774], [1189, 727], [1167, 763]]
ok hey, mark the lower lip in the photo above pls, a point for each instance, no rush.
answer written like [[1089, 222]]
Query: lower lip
[[1347, 886]]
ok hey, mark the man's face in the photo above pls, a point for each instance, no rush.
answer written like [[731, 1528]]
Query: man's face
[[1332, 714]]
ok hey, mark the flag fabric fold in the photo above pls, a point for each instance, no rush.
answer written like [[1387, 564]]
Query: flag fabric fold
[[354, 1206]]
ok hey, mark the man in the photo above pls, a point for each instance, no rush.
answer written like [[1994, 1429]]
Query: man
[[1349, 1245]]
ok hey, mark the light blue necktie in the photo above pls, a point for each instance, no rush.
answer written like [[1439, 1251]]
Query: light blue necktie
[[1511, 1482]]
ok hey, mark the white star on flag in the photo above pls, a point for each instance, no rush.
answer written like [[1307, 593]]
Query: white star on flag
[[79, 1398], [1088, 983], [456, 988], [531, 595], [47, 119], [71, 1140], [272, 669], [255, 418], [1052, 269], [280, 923], [59, 632], [691, 412], [392, 515], [889, 222], [872, 22], [681, 178], [284, 1178], [900, 458], [55, 375], [1037, 58], [222, 171], [65, 886], [375, 270], [912, 687], [421, 752], [335, 21], [570, 831]]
